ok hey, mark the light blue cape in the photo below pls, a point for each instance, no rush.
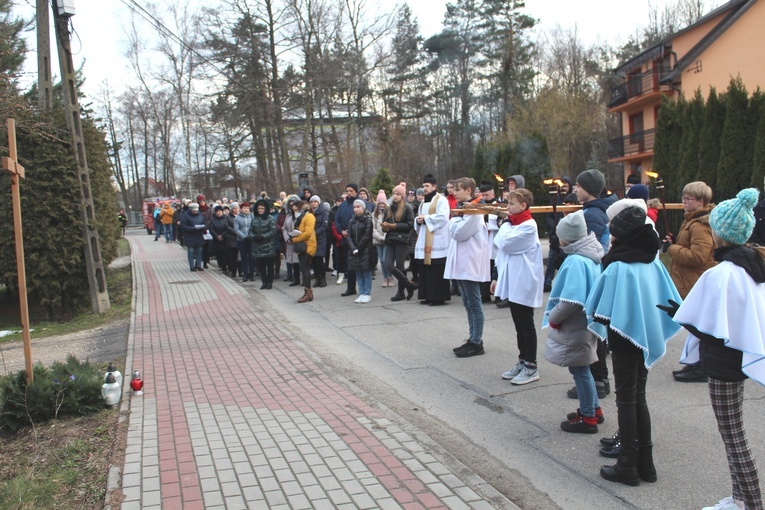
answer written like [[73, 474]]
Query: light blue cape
[[574, 282], [626, 295]]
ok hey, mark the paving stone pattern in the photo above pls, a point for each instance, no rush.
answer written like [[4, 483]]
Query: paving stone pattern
[[235, 415]]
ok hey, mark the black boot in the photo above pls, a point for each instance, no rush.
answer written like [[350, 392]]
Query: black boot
[[295, 275], [625, 470], [410, 288], [645, 468], [322, 281], [398, 297]]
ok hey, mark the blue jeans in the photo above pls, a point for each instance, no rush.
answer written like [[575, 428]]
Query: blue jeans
[[195, 256], [245, 253], [381, 249], [168, 232], [585, 388], [471, 300], [364, 282]]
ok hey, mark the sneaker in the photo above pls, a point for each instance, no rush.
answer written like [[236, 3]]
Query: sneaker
[[610, 441], [334, 273], [724, 504], [470, 350], [513, 372], [340, 279], [603, 387], [598, 415], [466, 344], [528, 374], [358, 299], [365, 298], [580, 425]]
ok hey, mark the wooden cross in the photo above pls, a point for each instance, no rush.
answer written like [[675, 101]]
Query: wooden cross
[[11, 164]]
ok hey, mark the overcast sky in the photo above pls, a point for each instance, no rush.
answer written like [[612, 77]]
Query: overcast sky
[[99, 36]]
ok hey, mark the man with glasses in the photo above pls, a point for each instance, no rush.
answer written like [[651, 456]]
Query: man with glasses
[[692, 253]]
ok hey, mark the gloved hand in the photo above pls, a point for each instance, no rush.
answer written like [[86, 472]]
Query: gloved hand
[[671, 310]]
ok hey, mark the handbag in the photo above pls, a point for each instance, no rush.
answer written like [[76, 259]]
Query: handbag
[[299, 247], [393, 237]]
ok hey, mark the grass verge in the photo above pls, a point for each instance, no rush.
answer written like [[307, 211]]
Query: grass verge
[[60, 464], [120, 285]]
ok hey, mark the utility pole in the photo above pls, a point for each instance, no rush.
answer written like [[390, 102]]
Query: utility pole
[[99, 295], [44, 81]]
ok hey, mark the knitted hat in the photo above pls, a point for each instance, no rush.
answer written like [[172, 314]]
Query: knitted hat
[[193, 206], [360, 202], [420, 191], [429, 178], [400, 189], [217, 208], [633, 179], [571, 199], [572, 227], [622, 204], [592, 181], [381, 196], [624, 224], [201, 197], [638, 191], [353, 186], [485, 186], [234, 205], [315, 198], [732, 220]]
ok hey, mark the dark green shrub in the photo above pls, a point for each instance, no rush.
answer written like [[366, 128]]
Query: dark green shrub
[[66, 389]]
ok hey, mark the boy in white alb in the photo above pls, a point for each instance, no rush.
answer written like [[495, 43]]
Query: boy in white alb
[[467, 263], [520, 278]]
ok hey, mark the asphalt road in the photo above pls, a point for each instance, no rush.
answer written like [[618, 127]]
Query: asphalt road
[[400, 355]]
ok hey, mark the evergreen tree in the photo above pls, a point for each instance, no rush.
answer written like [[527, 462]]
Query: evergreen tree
[[734, 170], [709, 142], [382, 181], [669, 133], [12, 50], [693, 121], [758, 158]]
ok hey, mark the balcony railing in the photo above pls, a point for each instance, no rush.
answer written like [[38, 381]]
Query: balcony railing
[[636, 143], [637, 85]]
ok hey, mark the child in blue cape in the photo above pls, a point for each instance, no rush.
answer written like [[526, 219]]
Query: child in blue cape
[[624, 299], [569, 342], [723, 312]]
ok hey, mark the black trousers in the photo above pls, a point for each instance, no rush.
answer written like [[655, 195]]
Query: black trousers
[[525, 331], [599, 369], [630, 378], [305, 269], [266, 269], [395, 263]]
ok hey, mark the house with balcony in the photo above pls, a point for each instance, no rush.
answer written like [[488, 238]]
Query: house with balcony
[[725, 43]]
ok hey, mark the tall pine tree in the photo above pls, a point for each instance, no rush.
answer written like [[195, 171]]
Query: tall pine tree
[[734, 170], [693, 119], [669, 133], [709, 141]]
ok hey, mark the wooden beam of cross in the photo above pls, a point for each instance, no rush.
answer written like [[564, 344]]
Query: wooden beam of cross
[[11, 163]]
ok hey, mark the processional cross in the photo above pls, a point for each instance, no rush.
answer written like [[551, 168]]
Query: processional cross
[[11, 163]]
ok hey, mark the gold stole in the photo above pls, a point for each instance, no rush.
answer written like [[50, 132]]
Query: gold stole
[[429, 236]]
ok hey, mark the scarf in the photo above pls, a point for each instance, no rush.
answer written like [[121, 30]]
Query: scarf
[[744, 257], [519, 218], [430, 236], [641, 246]]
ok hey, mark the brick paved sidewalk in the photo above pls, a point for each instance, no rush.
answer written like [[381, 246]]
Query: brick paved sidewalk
[[235, 415]]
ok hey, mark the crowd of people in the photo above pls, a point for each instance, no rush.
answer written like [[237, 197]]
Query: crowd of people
[[611, 295]]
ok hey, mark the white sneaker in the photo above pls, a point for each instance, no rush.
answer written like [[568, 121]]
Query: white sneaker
[[724, 504], [358, 299], [513, 372], [340, 278], [526, 376], [334, 273], [365, 298]]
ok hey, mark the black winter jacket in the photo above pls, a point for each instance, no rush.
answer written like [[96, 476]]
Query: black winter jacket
[[360, 238]]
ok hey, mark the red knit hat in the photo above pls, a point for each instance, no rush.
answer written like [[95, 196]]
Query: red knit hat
[[201, 197]]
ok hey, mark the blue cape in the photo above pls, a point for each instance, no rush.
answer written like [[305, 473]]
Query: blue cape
[[626, 295], [574, 282]]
